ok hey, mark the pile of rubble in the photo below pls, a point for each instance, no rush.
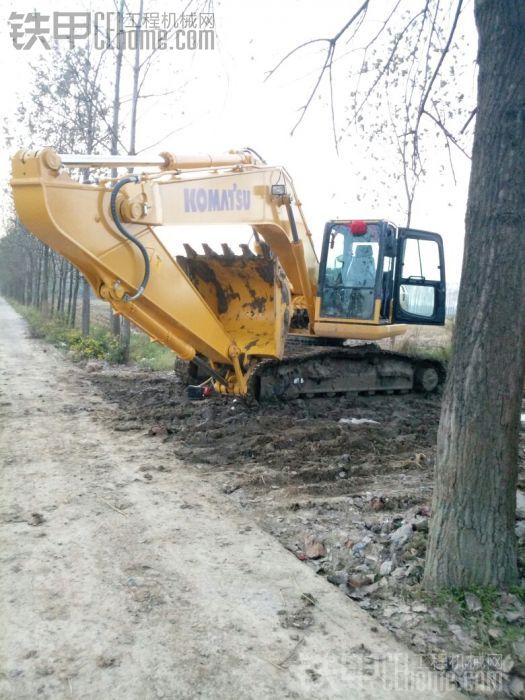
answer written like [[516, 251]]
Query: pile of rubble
[[476, 638]]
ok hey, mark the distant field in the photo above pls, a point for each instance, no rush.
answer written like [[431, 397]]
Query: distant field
[[99, 312], [426, 337]]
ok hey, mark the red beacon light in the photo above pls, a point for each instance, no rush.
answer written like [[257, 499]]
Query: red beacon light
[[358, 227]]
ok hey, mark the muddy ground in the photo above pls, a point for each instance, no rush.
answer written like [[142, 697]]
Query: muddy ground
[[346, 485]]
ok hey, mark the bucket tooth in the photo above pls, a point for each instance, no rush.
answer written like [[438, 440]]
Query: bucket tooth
[[227, 251], [208, 251], [190, 253], [265, 250], [246, 252]]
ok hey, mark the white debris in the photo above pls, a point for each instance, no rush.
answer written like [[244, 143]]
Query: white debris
[[386, 568], [401, 536], [358, 421], [473, 603]]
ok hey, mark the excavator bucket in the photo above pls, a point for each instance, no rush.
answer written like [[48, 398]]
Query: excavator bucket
[[249, 293]]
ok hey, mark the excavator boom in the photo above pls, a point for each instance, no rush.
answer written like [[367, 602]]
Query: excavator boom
[[225, 308]]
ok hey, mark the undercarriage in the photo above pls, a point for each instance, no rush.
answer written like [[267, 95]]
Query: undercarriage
[[310, 369]]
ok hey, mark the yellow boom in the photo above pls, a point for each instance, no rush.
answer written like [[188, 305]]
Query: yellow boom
[[227, 308]]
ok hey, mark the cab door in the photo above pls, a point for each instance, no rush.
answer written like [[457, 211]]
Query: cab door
[[419, 281]]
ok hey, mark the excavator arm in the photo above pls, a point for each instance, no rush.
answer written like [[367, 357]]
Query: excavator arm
[[231, 309]]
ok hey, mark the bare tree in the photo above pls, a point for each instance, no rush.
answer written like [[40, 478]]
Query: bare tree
[[400, 90], [140, 69], [125, 327], [472, 540], [66, 110], [114, 319]]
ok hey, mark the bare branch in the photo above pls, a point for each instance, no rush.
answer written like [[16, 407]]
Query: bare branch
[[327, 65], [386, 65], [148, 59], [165, 136], [304, 108], [440, 63], [359, 11], [383, 27], [471, 117], [156, 94], [449, 136], [332, 110], [92, 97], [291, 53]]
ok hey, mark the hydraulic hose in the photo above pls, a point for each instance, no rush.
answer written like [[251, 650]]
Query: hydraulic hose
[[140, 291], [118, 223], [247, 149], [206, 368]]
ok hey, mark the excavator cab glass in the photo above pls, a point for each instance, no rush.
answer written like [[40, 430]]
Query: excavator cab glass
[[372, 272], [419, 283], [351, 264]]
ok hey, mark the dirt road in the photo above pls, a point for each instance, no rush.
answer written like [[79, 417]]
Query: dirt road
[[125, 575]]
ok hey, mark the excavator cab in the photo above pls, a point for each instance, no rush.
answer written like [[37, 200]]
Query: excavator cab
[[373, 274]]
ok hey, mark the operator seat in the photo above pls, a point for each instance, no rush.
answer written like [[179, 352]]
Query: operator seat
[[362, 269]]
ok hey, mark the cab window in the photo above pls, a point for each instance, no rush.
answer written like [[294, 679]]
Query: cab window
[[351, 271]]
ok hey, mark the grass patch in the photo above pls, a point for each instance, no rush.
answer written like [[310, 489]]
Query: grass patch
[[150, 355], [456, 598], [412, 345], [482, 623], [100, 344]]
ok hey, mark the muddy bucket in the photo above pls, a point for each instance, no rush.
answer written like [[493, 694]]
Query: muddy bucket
[[249, 293]]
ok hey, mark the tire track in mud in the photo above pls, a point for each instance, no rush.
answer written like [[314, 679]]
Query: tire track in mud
[[323, 447]]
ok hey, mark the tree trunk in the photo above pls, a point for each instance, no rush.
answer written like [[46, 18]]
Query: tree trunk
[[125, 330], [472, 540], [114, 322], [116, 93], [70, 294], [125, 339], [45, 282], [27, 294], [61, 286], [54, 284], [31, 280], [136, 87], [86, 308], [38, 276], [73, 316], [114, 319], [29, 288]]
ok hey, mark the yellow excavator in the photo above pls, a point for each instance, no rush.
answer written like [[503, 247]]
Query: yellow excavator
[[272, 321]]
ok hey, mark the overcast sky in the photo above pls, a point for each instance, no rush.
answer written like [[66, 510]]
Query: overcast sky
[[221, 101]]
